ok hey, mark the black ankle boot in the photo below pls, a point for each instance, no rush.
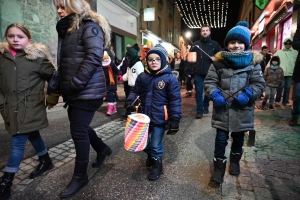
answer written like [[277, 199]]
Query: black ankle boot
[[101, 156], [234, 167], [219, 170], [5, 185], [156, 169], [45, 165], [77, 182], [149, 161]]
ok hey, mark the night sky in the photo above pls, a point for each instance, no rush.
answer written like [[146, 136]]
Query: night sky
[[218, 34]]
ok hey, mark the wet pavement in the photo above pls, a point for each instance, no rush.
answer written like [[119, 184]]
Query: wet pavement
[[269, 170]]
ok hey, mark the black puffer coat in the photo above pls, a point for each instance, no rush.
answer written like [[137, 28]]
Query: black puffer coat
[[80, 63], [296, 46]]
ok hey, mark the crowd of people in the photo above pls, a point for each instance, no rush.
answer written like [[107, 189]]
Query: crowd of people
[[232, 78]]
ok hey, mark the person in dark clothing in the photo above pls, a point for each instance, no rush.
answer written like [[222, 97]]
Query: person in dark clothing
[[206, 48], [296, 78], [123, 68], [266, 57], [82, 36]]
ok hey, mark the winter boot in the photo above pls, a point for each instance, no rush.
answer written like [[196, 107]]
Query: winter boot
[[110, 108], [149, 161], [263, 105], [101, 156], [156, 169], [219, 170], [5, 185], [293, 121], [77, 182], [234, 167], [114, 109], [271, 107], [45, 164]]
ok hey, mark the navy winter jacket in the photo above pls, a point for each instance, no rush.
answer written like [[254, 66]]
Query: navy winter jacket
[[159, 94], [80, 63]]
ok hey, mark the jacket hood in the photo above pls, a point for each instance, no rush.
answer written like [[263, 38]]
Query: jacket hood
[[165, 70], [33, 51], [257, 57], [285, 40]]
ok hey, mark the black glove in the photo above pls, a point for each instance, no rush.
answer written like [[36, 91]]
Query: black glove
[[173, 126], [129, 107]]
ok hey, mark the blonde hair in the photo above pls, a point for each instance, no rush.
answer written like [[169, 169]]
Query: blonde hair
[[82, 9]]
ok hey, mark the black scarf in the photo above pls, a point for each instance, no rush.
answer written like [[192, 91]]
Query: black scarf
[[63, 25]]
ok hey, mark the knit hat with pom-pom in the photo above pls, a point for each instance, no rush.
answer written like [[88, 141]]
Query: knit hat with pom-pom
[[240, 32]]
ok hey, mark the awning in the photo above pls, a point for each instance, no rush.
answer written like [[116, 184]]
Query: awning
[[150, 40]]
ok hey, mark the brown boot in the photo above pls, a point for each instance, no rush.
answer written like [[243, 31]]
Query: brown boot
[[293, 121]]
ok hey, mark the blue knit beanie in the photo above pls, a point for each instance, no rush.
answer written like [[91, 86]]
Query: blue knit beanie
[[161, 51], [240, 32]]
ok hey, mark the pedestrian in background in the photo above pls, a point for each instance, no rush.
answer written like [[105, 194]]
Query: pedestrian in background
[[273, 76], [111, 72], [287, 57], [266, 57], [24, 68], [205, 57], [296, 78], [82, 36], [233, 83], [135, 67], [159, 93], [123, 68], [177, 64]]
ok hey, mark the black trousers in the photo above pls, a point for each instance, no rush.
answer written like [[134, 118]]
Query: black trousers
[[83, 136]]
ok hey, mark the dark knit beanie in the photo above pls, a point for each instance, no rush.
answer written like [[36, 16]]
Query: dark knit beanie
[[132, 55], [161, 51], [275, 58], [240, 32]]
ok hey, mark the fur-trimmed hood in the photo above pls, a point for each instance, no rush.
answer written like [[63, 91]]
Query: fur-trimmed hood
[[33, 51], [257, 57]]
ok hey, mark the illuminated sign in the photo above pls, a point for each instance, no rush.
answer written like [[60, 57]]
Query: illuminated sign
[[149, 14], [261, 4]]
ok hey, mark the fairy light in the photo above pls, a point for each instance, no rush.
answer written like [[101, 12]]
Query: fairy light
[[210, 12]]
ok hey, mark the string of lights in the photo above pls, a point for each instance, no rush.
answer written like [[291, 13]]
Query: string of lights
[[210, 12]]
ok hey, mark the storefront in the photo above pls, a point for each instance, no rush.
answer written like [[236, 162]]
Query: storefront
[[149, 40]]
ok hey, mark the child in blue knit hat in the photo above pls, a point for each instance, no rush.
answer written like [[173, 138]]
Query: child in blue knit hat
[[234, 81], [159, 94]]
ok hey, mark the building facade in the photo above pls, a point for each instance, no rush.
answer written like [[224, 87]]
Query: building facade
[[271, 21]]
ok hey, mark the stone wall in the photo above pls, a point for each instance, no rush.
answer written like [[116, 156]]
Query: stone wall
[[38, 15]]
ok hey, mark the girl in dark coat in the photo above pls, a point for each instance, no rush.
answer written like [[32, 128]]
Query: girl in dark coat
[[83, 35], [24, 68]]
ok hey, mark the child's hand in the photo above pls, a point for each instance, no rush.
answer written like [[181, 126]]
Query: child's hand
[[129, 107], [218, 99], [173, 126], [243, 98]]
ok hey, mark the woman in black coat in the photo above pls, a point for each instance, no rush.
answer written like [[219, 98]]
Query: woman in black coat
[[177, 64], [83, 34]]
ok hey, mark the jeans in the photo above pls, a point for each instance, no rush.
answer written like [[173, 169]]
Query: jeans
[[17, 148], [286, 84], [201, 100], [83, 135], [270, 94], [155, 146], [296, 100], [221, 143]]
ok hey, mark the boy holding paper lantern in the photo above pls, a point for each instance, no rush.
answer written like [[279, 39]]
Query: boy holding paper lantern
[[160, 99]]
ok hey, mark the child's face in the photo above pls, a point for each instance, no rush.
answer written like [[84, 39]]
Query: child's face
[[154, 61], [61, 10], [17, 40], [105, 59], [236, 46], [274, 62]]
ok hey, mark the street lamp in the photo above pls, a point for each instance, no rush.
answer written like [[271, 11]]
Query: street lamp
[[188, 35]]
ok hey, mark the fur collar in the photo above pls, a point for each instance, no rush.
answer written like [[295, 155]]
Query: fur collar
[[32, 51], [257, 57]]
